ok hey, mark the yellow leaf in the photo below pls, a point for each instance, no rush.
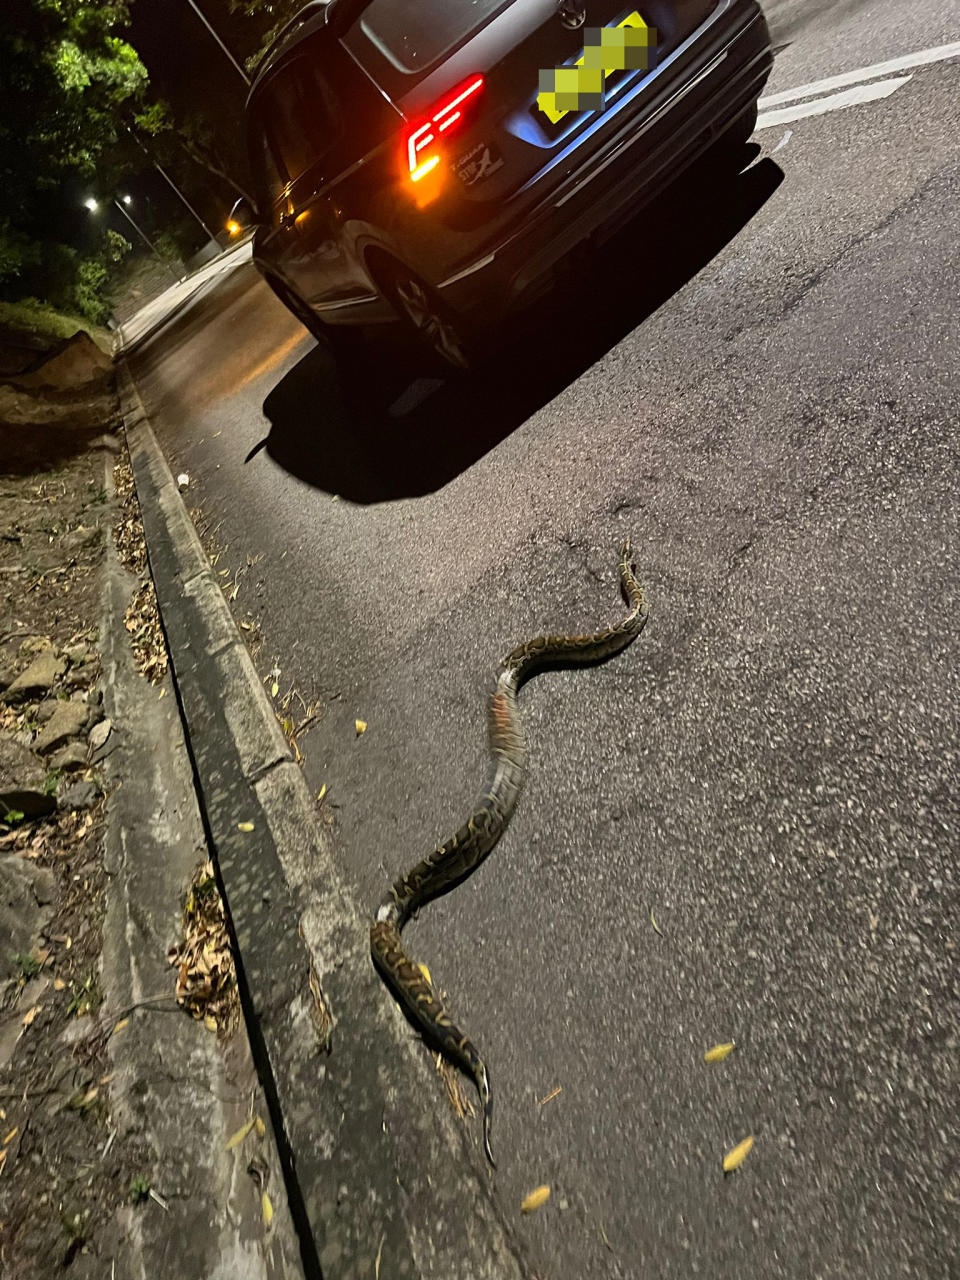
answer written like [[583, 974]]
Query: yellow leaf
[[535, 1200], [58, 984], [29, 1016], [210, 1022], [322, 792], [244, 826], [361, 726], [260, 1127], [735, 1158], [426, 972], [11, 1135], [653, 921], [719, 1052], [239, 1136], [274, 689], [120, 1025], [267, 1209]]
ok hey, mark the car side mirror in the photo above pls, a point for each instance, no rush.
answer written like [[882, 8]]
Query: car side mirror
[[243, 216]]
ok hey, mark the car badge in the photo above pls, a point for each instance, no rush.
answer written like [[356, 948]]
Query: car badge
[[573, 13]]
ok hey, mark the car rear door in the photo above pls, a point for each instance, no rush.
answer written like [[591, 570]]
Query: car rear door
[[315, 118]]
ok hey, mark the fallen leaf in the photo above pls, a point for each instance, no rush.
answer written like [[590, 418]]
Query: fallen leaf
[[29, 1016], [267, 1209], [244, 826], [735, 1158], [535, 1200], [58, 984], [260, 1127], [10, 1136], [719, 1052], [426, 973], [321, 793], [241, 1133], [361, 726], [120, 1025], [653, 921], [274, 689], [210, 1022]]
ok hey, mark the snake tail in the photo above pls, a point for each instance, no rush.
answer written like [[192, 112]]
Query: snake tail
[[418, 998]]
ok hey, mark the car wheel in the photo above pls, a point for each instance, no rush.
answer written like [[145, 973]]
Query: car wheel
[[429, 318]]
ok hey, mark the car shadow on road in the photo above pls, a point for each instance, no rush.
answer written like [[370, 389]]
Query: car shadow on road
[[340, 439]]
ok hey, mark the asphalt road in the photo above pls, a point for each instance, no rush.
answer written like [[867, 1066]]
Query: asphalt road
[[759, 382]]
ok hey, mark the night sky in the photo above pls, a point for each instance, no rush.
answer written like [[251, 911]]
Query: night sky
[[186, 66]]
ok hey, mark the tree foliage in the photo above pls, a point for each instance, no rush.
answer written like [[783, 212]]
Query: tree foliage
[[65, 75]]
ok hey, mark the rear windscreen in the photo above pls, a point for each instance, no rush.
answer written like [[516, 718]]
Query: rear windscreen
[[413, 36]]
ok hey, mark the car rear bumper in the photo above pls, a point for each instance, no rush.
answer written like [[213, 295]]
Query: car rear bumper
[[712, 79]]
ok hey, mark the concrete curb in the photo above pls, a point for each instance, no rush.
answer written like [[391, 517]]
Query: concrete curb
[[380, 1177], [174, 1087]]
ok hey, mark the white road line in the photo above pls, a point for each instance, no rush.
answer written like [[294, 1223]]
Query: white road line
[[940, 54], [836, 101]]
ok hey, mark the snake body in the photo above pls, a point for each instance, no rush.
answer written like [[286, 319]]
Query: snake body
[[450, 863]]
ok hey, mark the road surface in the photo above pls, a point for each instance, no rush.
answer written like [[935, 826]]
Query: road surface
[[761, 388]]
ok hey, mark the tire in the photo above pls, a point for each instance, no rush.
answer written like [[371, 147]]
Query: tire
[[427, 317]]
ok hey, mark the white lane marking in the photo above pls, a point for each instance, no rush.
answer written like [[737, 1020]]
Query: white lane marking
[[835, 102], [940, 54], [783, 142]]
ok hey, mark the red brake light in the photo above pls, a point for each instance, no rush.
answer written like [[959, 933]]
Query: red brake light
[[421, 139]]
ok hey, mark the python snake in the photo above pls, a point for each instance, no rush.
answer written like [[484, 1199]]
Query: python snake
[[453, 861]]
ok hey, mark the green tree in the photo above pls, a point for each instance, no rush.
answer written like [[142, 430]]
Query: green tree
[[65, 76]]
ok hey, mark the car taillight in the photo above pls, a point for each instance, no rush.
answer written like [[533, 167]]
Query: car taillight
[[422, 139]]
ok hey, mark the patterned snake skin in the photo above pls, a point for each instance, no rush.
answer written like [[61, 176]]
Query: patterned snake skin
[[453, 861]]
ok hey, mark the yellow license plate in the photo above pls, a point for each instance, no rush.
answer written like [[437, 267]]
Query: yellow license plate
[[626, 46]]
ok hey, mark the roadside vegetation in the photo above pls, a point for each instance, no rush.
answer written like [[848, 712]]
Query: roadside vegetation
[[94, 106]]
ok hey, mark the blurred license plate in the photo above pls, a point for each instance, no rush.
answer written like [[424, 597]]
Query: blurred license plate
[[609, 54]]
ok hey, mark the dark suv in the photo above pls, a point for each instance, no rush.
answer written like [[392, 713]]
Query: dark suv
[[436, 159]]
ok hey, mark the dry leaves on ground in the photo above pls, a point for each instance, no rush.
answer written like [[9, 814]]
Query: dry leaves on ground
[[206, 979], [719, 1052], [735, 1158], [535, 1200], [142, 618]]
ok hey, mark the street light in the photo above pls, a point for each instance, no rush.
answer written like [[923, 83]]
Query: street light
[[94, 207]]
